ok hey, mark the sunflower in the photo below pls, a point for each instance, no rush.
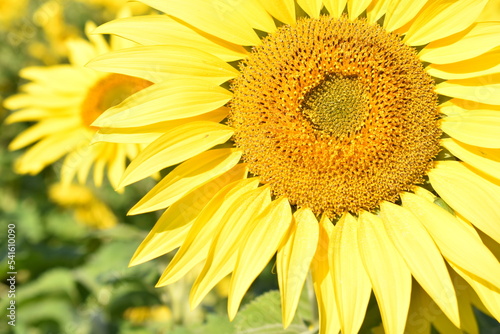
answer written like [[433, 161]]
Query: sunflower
[[356, 140], [86, 206], [64, 100]]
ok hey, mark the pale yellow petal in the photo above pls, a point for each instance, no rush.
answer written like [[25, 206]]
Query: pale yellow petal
[[187, 176], [99, 42], [352, 299], [166, 101], [181, 143], [220, 18], [489, 296], [223, 251], [80, 51], [164, 30], [56, 77], [255, 14], [35, 114], [484, 64], [483, 89], [457, 244], [388, 272], [197, 243], [470, 194], [455, 107], [51, 100], [478, 128], [283, 10], [356, 7], [43, 129], [294, 259], [323, 280], [311, 7], [171, 229], [442, 18], [485, 159], [157, 63], [149, 133], [116, 166], [421, 255], [400, 12], [257, 249], [472, 42], [335, 7], [47, 151]]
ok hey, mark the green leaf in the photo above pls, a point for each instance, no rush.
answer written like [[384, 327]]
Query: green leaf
[[263, 316]]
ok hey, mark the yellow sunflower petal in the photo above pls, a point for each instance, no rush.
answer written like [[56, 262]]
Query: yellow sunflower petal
[[116, 166], [294, 259], [486, 293], [311, 7], [283, 10], [323, 280], [421, 255], [455, 107], [98, 167], [472, 42], [57, 76], [185, 177], [356, 7], [376, 10], [256, 15], [257, 249], [389, 274], [34, 114], [486, 160], [352, 299], [400, 12], [219, 18], [164, 30], [457, 244], [335, 7], [478, 128], [442, 18], [484, 64], [47, 151], [149, 133], [223, 251], [182, 143], [468, 193], [197, 243], [166, 101], [42, 129], [171, 229], [483, 89], [170, 61]]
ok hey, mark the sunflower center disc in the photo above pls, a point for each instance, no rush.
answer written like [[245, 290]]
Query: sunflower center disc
[[338, 105], [336, 115], [108, 92]]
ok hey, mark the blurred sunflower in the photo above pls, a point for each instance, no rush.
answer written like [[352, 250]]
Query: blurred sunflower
[[64, 100], [11, 10], [333, 115], [87, 208]]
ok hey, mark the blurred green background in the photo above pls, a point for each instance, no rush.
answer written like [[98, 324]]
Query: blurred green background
[[72, 273]]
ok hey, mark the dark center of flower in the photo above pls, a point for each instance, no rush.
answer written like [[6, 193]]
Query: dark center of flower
[[108, 92], [336, 115], [338, 105]]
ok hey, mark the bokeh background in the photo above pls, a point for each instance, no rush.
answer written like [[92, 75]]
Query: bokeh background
[[73, 247]]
